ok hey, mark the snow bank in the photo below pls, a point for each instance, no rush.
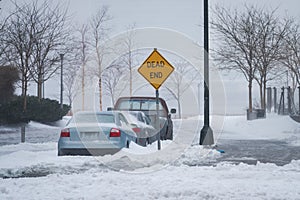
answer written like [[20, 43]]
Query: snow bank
[[197, 155], [27, 158], [263, 181], [33, 124], [273, 127]]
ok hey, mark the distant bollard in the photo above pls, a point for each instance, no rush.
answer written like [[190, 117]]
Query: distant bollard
[[275, 99], [269, 99], [251, 115], [281, 103], [289, 100], [23, 134]]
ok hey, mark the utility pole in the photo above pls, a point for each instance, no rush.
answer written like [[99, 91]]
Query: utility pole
[[61, 80], [206, 135]]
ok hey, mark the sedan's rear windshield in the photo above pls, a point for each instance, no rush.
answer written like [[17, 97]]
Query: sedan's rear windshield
[[94, 118], [135, 104]]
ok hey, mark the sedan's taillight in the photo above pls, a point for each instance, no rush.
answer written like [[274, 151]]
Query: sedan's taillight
[[65, 133], [136, 129], [114, 132]]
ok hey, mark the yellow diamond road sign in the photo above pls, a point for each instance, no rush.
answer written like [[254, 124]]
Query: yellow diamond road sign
[[156, 69]]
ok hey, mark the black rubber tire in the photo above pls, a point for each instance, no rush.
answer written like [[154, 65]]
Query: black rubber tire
[[169, 132]]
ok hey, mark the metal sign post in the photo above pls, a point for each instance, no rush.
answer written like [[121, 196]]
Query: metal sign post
[[156, 69], [157, 119]]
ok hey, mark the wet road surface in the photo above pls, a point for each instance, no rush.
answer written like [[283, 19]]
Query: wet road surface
[[252, 151]]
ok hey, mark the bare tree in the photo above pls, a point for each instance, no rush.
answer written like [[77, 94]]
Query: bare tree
[[83, 56], [69, 82], [252, 43], [2, 41], [112, 77], [39, 30], [291, 52], [179, 82], [33, 34], [19, 40], [237, 43], [73, 63], [50, 34], [99, 30], [2, 45], [128, 57], [270, 37]]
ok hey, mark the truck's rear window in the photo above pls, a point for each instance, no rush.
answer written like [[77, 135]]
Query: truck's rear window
[[138, 105]]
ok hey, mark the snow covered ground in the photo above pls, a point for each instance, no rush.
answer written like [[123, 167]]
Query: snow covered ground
[[181, 170]]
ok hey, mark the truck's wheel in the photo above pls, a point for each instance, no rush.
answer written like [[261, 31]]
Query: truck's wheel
[[169, 132], [164, 131]]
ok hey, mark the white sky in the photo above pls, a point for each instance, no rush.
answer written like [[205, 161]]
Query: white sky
[[182, 16]]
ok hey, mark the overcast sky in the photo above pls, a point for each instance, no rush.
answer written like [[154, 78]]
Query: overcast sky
[[183, 16]]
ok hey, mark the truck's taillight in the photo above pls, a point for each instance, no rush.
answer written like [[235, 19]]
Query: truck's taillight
[[65, 133], [114, 132], [136, 129]]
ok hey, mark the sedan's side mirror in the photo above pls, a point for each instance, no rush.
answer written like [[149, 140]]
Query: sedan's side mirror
[[109, 109], [173, 110]]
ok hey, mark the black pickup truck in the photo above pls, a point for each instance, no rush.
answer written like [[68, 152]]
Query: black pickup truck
[[148, 106]]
